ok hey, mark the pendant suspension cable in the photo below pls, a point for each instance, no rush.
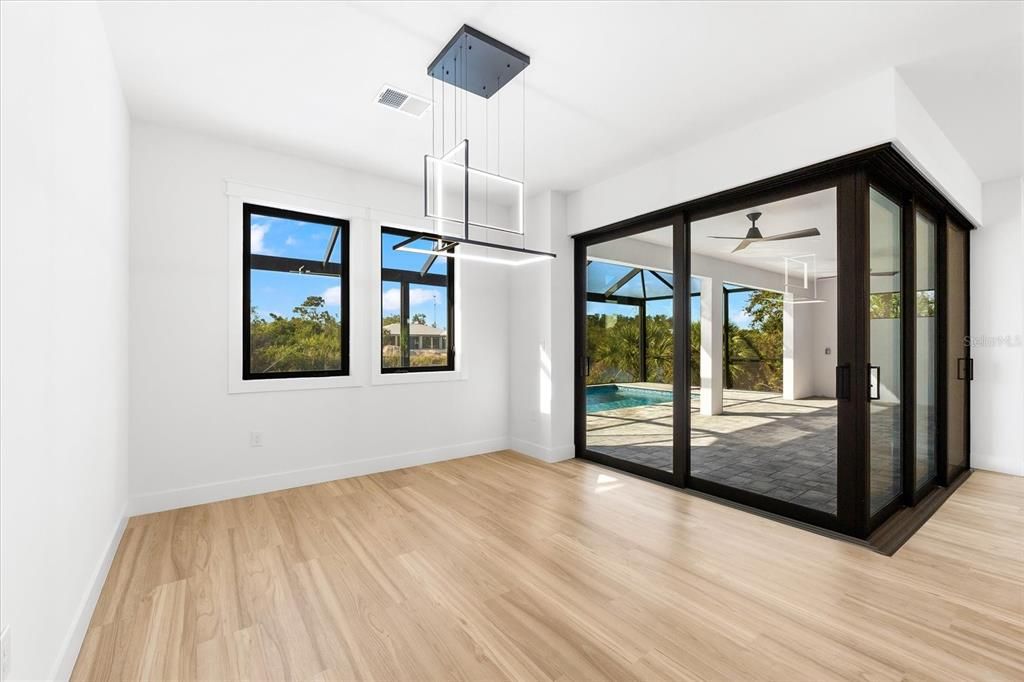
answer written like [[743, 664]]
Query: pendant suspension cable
[[433, 119], [499, 132]]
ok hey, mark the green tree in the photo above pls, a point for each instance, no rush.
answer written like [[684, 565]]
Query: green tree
[[309, 340], [756, 352]]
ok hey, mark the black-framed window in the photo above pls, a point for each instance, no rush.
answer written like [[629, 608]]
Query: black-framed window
[[295, 294], [417, 292]]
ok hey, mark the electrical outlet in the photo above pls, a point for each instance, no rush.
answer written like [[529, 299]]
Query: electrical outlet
[[5, 653], [255, 439]]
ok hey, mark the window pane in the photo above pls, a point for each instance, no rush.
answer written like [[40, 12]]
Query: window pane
[[415, 300], [885, 359], [391, 326], [271, 236], [295, 300], [428, 326], [294, 322], [926, 396]]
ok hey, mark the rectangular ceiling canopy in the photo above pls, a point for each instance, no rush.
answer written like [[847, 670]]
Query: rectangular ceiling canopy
[[477, 63]]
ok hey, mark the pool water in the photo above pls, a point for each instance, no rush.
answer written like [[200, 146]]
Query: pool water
[[614, 397]]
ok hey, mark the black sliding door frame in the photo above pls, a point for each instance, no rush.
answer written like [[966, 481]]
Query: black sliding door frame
[[851, 176], [848, 442], [680, 400], [946, 475]]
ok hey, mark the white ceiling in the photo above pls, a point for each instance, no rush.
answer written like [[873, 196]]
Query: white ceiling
[[984, 116], [817, 209], [610, 84]]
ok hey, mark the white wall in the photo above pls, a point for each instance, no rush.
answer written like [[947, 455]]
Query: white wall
[[918, 136], [189, 436], [826, 335], [64, 332], [540, 359], [868, 112], [997, 328]]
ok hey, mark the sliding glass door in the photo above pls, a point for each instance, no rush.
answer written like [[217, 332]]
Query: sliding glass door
[[797, 345], [885, 350], [629, 389], [764, 428], [926, 374], [958, 366]]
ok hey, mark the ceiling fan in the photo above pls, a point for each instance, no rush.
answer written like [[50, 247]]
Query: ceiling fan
[[754, 235]]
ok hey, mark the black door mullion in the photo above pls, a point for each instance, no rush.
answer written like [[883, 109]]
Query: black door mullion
[[908, 310], [852, 352], [681, 350]]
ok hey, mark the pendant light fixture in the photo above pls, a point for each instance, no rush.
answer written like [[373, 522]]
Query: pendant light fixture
[[473, 179]]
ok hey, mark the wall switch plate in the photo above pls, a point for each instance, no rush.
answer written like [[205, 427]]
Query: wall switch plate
[[255, 439], [5, 653]]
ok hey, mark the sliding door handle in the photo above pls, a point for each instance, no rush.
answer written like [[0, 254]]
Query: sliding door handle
[[842, 382], [874, 382], [965, 369], [970, 369], [585, 366]]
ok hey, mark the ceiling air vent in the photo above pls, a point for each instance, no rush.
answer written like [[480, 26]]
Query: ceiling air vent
[[407, 103]]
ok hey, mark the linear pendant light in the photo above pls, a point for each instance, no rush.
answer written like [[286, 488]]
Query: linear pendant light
[[474, 67]]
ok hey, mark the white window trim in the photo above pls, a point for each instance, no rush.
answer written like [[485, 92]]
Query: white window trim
[[238, 194], [382, 219]]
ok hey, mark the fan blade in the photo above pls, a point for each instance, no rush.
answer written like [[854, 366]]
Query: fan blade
[[812, 232], [743, 244], [715, 236]]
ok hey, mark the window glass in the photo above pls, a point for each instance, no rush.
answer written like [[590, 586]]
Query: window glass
[[885, 360], [417, 300], [295, 294]]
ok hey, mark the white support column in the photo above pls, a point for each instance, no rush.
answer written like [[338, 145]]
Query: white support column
[[712, 323], [789, 342], [798, 347]]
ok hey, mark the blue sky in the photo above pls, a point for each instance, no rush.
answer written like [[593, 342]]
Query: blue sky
[[736, 304], [280, 292]]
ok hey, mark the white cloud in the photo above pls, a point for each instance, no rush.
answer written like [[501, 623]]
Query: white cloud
[[290, 241], [391, 302], [417, 296], [332, 296], [256, 234], [741, 317]]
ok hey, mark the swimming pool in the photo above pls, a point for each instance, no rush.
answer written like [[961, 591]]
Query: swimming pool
[[613, 397]]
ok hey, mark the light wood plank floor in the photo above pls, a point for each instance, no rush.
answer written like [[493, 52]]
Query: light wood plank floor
[[501, 567]]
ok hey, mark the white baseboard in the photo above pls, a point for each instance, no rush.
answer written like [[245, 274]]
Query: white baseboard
[[1012, 464], [73, 642], [241, 487], [541, 452]]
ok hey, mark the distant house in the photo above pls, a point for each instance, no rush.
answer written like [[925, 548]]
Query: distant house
[[421, 336]]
